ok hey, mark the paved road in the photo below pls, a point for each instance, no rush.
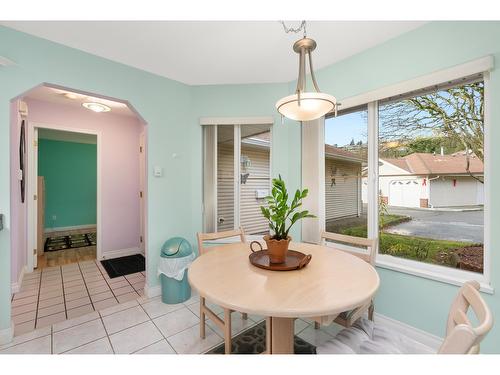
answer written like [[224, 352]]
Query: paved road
[[464, 226]]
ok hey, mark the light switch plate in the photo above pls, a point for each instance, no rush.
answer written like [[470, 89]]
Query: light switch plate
[[158, 171]]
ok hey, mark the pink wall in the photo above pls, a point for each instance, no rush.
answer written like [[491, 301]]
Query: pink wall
[[120, 227], [17, 209]]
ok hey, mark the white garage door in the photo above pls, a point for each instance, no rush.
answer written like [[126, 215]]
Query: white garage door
[[404, 193]]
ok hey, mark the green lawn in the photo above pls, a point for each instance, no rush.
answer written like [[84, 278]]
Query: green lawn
[[416, 248]]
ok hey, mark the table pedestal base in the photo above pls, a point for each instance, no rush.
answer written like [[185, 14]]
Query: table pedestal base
[[279, 335]]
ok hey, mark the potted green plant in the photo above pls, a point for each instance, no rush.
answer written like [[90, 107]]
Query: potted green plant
[[281, 217]]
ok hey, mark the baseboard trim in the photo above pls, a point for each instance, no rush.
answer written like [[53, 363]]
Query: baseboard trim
[[152, 291], [74, 227], [121, 253], [7, 334], [16, 286], [423, 337]]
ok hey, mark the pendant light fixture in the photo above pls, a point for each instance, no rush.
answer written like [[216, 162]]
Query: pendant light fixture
[[305, 105]]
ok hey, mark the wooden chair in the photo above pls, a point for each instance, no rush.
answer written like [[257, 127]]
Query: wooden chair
[[347, 318], [225, 325], [461, 336]]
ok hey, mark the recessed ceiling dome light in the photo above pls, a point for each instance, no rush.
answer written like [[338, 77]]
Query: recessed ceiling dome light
[[70, 95], [96, 107]]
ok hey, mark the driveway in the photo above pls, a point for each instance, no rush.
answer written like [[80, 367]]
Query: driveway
[[466, 226]]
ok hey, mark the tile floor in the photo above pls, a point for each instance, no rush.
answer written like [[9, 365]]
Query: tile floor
[[142, 326], [53, 294]]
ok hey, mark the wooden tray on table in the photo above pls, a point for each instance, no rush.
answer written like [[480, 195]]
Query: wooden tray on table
[[295, 260]]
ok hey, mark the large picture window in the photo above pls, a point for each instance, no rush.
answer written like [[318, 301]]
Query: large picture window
[[414, 167], [431, 176], [346, 146]]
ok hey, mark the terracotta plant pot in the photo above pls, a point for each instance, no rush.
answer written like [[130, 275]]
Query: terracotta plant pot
[[277, 249]]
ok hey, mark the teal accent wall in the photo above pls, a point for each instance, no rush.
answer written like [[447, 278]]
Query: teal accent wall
[[172, 111], [70, 173]]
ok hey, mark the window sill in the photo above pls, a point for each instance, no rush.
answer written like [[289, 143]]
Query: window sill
[[433, 272]]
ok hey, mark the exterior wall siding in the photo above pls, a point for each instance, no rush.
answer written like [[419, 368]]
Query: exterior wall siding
[[342, 198], [251, 218]]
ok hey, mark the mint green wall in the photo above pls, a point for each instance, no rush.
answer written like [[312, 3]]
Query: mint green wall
[[70, 173], [164, 104], [255, 100], [173, 110]]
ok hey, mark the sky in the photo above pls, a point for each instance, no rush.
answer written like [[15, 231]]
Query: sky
[[342, 129]]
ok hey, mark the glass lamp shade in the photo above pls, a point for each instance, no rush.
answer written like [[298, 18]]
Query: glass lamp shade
[[313, 105]]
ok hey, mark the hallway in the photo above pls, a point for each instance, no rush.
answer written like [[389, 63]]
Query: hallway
[[54, 294]]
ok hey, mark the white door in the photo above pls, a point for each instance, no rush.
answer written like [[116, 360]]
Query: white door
[[142, 187], [404, 193], [31, 194]]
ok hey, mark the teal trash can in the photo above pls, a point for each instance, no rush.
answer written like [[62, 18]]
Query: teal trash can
[[176, 255]]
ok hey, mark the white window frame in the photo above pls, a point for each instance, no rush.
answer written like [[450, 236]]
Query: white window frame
[[430, 271], [237, 123]]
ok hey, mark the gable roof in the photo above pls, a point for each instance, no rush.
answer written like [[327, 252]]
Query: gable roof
[[338, 153], [429, 164]]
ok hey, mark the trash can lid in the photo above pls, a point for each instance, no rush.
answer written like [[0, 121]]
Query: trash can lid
[[176, 247]]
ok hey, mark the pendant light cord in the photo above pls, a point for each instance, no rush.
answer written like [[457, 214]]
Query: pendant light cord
[[295, 30]]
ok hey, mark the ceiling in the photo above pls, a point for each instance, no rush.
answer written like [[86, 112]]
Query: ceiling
[[215, 52], [57, 96]]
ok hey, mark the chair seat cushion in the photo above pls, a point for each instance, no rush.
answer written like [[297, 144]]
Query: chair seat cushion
[[366, 337]]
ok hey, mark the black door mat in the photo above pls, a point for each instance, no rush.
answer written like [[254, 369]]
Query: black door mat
[[253, 341], [73, 241], [124, 265]]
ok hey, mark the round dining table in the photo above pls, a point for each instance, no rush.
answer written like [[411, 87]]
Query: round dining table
[[334, 281]]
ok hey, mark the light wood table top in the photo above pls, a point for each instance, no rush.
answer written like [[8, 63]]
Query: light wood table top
[[332, 282]]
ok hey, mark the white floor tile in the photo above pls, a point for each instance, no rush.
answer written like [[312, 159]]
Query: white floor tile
[[106, 303], [189, 341], [237, 324], [27, 337], [101, 346], [41, 345], [157, 308], [78, 335], [176, 321], [160, 347], [76, 321], [300, 325], [135, 338], [194, 298], [313, 336], [124, 319], [120, 307]]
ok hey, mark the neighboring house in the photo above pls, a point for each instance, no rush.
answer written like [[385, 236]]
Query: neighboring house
[[428, 180], [256, 182], [343, 173]]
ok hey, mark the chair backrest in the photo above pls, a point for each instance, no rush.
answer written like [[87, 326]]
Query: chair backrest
[[369, 243], [461, 336], [217, 236]]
